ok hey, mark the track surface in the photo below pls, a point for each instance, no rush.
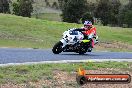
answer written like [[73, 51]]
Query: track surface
[[19, 55]]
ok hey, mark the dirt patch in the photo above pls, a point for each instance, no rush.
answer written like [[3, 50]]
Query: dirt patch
[[11, 85], [113, 46], [62, 79]]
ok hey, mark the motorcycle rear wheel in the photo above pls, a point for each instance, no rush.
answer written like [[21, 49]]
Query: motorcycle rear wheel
[[82, 49], [81, 53]]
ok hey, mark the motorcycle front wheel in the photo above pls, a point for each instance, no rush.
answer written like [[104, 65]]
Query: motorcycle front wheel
[[57, 48]]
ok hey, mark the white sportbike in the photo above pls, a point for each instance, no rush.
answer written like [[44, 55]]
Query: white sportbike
[[72, 41]]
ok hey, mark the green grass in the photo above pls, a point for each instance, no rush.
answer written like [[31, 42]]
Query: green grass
[[115, 34], [33, 73], [49, 16], [16, 31]]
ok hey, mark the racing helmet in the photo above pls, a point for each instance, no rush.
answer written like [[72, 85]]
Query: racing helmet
[[88, 24]]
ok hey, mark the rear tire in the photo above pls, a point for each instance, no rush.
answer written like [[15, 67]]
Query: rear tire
[[82, 49], [57, 48], [89, 49]]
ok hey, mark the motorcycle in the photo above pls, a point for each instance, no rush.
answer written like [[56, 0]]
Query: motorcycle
[[72, 41]]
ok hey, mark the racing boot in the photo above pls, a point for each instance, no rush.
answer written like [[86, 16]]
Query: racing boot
[[91, 46]]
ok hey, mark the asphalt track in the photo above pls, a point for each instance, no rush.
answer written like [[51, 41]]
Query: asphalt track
[[22, 55]]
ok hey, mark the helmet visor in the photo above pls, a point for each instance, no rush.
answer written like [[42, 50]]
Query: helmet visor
[[88, 26]]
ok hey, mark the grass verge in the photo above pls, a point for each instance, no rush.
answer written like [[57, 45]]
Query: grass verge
[[16, 31], [34, 73]]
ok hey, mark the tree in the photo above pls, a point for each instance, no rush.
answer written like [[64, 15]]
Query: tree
[[61, 3], [102, 11], [16, 7], [4, 6], [108, 11], [125, 15], [115, 5], [73, 10], [47, 4], [55, 5], [23, 8], [87, 16], [91, 7]]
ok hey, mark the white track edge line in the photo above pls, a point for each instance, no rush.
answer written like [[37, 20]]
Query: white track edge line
[[67, 61]]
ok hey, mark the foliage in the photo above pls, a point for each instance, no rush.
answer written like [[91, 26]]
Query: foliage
[[23, 8], [73, 10], [115, 5], [60, 2], [47, 3], [108, 11], [91, 7], [4, 6], [55, 5], [125, 15], [87, 16]]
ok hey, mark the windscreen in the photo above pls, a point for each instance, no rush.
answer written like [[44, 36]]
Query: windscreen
[[73, 32]]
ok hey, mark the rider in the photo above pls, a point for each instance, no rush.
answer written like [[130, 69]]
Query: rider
[[89, 32]]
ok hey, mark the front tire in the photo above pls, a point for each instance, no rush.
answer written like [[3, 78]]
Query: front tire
[[57, 48], [89, 49]]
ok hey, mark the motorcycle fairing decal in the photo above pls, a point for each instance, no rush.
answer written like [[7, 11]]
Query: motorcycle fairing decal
[[85, 41]]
